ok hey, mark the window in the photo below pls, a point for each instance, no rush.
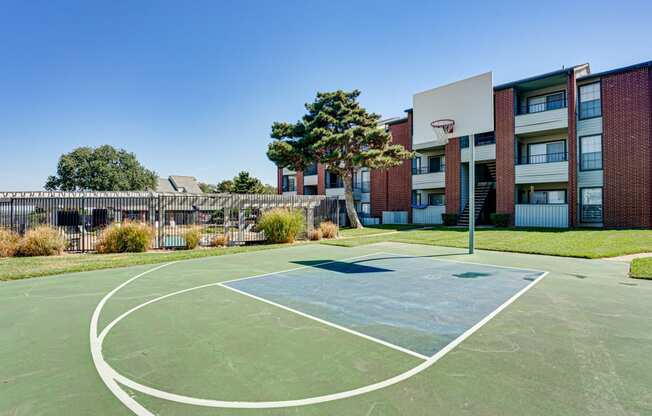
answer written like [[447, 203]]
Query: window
[[546, 152], [311, 169], [591, 201], [546, 102], [548, 197], [333, 180], [416, 165], [590, 102], [591, 152], [365, 208], [289, 183], [436, 164], [416, 197], [436, 199], [481, 139]]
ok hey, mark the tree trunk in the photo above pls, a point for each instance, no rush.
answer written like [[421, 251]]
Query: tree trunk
[[350, 205]]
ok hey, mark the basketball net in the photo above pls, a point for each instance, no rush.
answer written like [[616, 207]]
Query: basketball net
[[443, 128]]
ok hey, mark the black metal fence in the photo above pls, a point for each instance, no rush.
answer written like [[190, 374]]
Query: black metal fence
[[81, 217]]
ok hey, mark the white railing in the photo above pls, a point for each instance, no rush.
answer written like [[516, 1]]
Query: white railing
[[395, 217], [428, 215], [541, 215]]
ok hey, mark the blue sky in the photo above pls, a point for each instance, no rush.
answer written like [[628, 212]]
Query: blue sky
[[193, 87]]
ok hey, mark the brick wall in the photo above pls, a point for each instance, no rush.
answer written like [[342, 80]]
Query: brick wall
[[321, 179], [572, 192], [391, 189], [453, 157], [504, 130], [299, 182], [627, 149]]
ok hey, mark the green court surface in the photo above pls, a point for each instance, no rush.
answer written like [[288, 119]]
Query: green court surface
[[382, 329]]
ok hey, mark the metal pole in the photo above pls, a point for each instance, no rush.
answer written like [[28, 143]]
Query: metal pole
[[471, 193]]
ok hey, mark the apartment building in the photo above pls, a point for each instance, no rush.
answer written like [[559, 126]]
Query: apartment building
[[569, 148]]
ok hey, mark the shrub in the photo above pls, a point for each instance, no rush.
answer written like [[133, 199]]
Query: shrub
[[41, 241], [449, 219], [329, 229], [281, 225], [315, 234], [220, 240], [126, 237], [8, 242], [192, 236], [500, 220]]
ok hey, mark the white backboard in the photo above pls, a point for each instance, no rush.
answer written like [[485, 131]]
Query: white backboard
[[470, 102]]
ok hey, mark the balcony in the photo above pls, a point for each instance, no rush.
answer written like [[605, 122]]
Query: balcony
[[424, 178], [543, 120], [361, 191], [430, 214], [544, 168], [541, 215]]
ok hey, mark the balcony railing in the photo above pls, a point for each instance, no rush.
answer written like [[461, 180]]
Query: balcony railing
[[289, 188], [362, 187], [591, 213], [481, 139], [591, 161], [339, 183], [422, 170], [543, 158], [547, 106]]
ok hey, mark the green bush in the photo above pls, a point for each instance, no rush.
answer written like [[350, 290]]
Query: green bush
[[281, 225], [192, 237], [500, 220], [449, 219], [41, 241], [126, 237], [8, 242]]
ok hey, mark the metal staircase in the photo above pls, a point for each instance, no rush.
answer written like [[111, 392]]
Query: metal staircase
[[482, 191]]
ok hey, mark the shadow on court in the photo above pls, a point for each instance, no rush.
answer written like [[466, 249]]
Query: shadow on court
[[342, 266]]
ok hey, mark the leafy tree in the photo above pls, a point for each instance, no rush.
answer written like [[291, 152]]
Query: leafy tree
[[225, 187], [340, 134], [102, 168], [244, 183], [270, 190]]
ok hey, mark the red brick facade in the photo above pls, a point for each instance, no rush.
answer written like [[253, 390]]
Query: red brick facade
[[571, 146], [627, 148], [279, 181], [299, 182], [453, 192], [321, 179], [504, 132], [391, 189]]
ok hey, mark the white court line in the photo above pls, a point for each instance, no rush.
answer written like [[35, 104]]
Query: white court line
[[331, 324], [110, 376], [463, 262]]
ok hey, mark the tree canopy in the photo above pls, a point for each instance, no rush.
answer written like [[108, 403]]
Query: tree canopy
[[103, 168], [339, 133], [242, 183]]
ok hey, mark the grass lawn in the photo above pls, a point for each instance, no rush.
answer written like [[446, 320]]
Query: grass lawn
[[376, 229], [569, 243], [23, 267], [642, 268]]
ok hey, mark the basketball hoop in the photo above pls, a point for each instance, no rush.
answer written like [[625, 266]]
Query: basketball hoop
[[446, 124]]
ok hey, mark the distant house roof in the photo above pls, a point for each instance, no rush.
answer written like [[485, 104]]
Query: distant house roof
[[181, 184]]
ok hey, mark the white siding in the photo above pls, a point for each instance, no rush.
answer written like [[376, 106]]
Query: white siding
[[429, 215], [542, 173], [287, 171], [589, 127], [395, 217], [545, 120], [339, 192], [310, 180], [548, 216], [486, 152], [429, 180]]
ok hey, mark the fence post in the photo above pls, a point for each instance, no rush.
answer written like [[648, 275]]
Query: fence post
[[83, 224], [11, 214]]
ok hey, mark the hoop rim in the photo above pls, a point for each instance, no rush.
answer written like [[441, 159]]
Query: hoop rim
[[446, 124]]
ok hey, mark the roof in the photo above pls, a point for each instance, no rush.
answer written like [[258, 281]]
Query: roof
[[186, 184], [562, 71], [646, 64], [178, 184]]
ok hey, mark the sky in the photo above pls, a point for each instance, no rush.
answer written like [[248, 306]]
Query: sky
[[192, 88]]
